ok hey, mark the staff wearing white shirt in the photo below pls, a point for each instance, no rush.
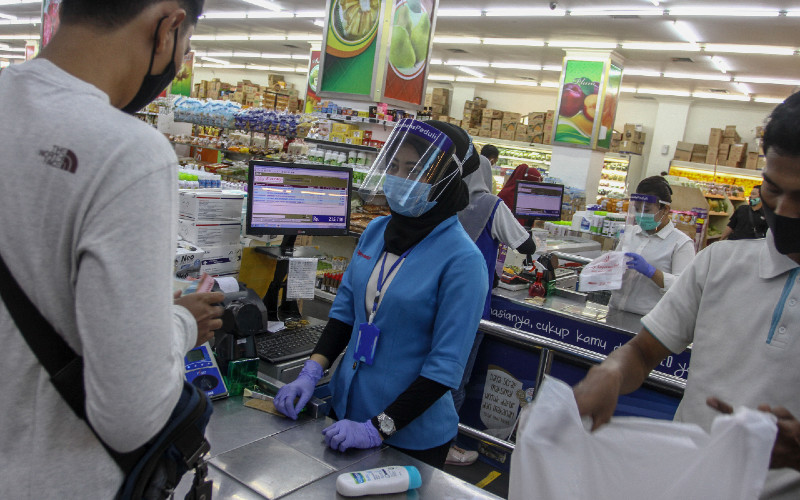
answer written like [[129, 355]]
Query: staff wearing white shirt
[[658, 251]]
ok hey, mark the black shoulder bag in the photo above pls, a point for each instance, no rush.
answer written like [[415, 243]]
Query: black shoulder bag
[[153, 470]]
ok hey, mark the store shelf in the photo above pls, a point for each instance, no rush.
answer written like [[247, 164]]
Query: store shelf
[[341, 145], [721, 214], [354, 119], [710, 169], [737, 199], [715, 196], [215, 149]]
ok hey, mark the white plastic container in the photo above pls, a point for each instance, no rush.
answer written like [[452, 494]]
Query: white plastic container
[[383, 480]]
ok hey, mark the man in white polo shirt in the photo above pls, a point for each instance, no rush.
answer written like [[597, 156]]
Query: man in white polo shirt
[[738, 304]]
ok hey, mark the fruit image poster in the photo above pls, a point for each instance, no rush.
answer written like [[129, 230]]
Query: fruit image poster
[[351, 41], [313, 81], [50, 19], [609, 107], [578, 102], [182, 84], [413, 22]]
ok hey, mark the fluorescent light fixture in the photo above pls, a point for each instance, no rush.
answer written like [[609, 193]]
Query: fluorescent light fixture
[[668, 46], [769, 100], [7, 16], [11, 56], [685, 31], [525, 12], [301, 70], [553, 85], [231, 38], [750, 49], [4, 46], [217, 61], [720, 63], [436, 61], [552, 67], [442, 78], [628, 90], [612, 11], [202, 38], [264, 4], [459, 13], [522, 83], [17, 2], [640, 72], [761, 79], [27, 20], [477, 64], [675, 93], [269, 14], [274, 56], [722, 11], [247, 54], [301, 56], [461, 40], [470, 79], [514, 42], [229, 14], [582, 45], [723, 97], [19, 37], [226, 53], [791, 13], [529, 67], [266, 37], [741, 87], [304, 38], [309, 13], [319, 22], [470, 71], [698, 76]]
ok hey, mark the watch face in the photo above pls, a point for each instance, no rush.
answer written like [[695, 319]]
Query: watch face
[[387, 425]]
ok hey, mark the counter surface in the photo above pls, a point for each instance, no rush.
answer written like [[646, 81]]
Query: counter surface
[[257, 455]]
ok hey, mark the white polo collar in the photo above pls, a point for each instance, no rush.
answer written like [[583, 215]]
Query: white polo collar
[[772, 263]]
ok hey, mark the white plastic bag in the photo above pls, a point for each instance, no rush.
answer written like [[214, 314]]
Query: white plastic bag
[[633, 458], [604, 272]]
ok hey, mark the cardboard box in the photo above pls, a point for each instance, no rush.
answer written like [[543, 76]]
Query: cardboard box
[[698, 157], [455, 121], [715, 138], [440, 99], [439, 109], [209, 205], [679, 154], [511, 117], [712, 157], [752, 160], [188, 260], [474, 131], [480, 103], [468, 105], [440, 91], [536, 117], [495, 134], [486, 123], [428, 100], [700, 149], [728, 140], [538, 138], [684, 146], [733, 163], [497, 125], [206, 233], [507, 136], [221, 260], [738, 152], [494, 114]]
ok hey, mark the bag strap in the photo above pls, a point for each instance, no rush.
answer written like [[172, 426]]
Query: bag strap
[[63, 364]]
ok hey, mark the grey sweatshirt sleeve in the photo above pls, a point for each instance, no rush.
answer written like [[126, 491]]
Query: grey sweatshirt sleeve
[[133, 337]]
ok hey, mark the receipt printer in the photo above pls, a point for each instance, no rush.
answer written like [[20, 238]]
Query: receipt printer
[[244, 317]]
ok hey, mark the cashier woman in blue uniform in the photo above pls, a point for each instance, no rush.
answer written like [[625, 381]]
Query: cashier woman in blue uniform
[[408, 306]]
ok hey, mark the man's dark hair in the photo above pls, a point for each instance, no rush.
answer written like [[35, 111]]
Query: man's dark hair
[[112, 14], [490, 151], [756, 187], [656, 185], [782, 132]]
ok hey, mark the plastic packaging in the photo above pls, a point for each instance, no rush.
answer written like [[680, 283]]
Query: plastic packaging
[[391, 479]]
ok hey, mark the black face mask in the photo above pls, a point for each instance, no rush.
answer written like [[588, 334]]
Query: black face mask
[[153, 84], [785, 231]]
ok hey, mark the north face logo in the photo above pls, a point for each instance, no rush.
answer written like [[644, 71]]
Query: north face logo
[[61, 158]]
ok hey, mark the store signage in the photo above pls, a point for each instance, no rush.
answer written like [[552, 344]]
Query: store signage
[[406, 70], [313, 81], [182, 84], [587, 102], [31, 49], [575, 333], [50, 20]]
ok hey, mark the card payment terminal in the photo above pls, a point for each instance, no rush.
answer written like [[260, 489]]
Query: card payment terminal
[[202, 372]]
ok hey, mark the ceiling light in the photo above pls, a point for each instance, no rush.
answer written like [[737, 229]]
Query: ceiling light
[[7, 16], [274, 56], [217, 61], [640, 72], [266, 37], [720, 63], [791, 13], [655, 2], [301, 56], [207, 53], [741, 87], [722, 11], [549, 84], [685, 31], [477, 64], [582, 45], [268, 14], [435, 61], [4, 46], [514, 42], [552, 67], [670, 46], [761, 79], [459, 13], [724, 97], [676, 93], [461, 40], [471, 79], [301, 70], [524, 12], [530, 67], [19, 37], [248, 54], [12, 56], [610, 11], [26, 20], [442, 78], [769, 100], [229, 14], [202, 38], [224, 66], [17, 2], [522, 83], [698, 76], [319, 22], [750, 49], [304, 38], [265, 4], [470, 71], [629, 90], [309, 13]]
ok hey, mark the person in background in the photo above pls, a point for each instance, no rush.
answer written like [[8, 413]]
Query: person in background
[[658, 251], [491, 153], [408, 306], [488, 222], [89, 231], [522, 173], [748, 221], [744, 351]]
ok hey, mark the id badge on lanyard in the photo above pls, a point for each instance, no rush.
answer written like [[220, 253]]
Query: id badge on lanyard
[[368, 333]]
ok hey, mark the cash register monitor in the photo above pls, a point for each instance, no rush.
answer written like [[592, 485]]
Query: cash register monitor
[[538, 201], [297, 199]]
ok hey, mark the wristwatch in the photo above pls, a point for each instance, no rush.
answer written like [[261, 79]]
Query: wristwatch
[[384, 424]]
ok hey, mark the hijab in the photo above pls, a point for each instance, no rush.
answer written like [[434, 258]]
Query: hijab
[[481, 200], [521, 173]]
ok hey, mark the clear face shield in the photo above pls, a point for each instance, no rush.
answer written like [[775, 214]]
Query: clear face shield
[[412, 168], [646, 211]]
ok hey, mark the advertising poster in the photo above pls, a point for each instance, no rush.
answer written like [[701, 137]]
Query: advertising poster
[[313, 81], [31, 49], [350, 47], [182, 84], [578, 102], [609, 106], [50, 20], [413, 23]]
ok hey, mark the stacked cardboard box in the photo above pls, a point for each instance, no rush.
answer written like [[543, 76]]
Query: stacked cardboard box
[[616, 140], [536, 126], [473, 112], [548, 127], [440, 102], [633, 138]]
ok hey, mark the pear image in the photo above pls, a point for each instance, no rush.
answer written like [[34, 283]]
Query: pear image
[[420, 35], [401, 53], [403, 17]]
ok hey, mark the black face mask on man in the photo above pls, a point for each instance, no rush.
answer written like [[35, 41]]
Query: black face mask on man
[[785, 231], [153, 84]]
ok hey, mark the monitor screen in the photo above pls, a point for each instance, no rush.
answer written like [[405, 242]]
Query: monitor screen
[[538, 200], [297, 199]]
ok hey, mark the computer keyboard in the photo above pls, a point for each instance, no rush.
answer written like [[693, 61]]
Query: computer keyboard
[[288, 344]]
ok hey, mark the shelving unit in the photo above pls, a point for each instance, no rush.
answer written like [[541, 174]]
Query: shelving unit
[[354, 119]]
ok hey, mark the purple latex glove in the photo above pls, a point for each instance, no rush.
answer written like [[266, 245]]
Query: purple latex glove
[[638, 264], [302, 387], [346, 434]]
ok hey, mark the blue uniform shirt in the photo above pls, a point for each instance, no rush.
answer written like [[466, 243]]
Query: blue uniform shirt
[[427, 319]]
